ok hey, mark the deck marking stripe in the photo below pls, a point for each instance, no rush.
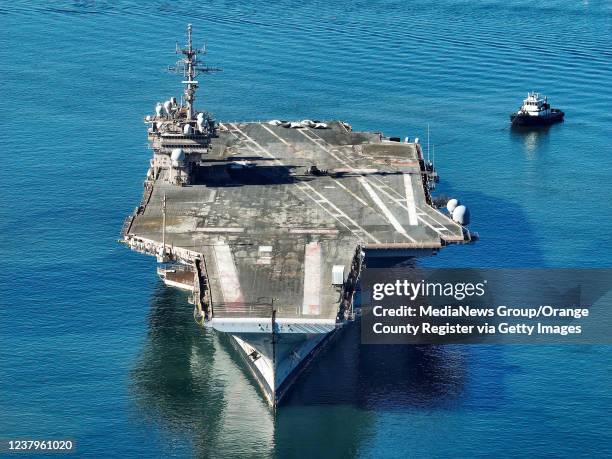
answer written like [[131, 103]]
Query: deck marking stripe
[[412, 215], [312, 279], [381, 184], [228, 276], [335, 180], [313, 231], [214, 229], [419, 217], [385, 210], [306, 185], [276, 135], [357, 198], [325, 149], [419, 209], [446, 228], [340, 214]]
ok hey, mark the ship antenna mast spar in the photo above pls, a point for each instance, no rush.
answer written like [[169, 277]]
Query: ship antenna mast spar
[[191, 68]]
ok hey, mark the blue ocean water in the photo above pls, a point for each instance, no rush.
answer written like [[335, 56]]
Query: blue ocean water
[[93, 348]]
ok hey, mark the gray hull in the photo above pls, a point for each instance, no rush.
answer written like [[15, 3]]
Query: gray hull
[[276, 359]]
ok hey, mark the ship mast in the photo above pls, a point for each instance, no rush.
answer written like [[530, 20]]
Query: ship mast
[[191, 68]]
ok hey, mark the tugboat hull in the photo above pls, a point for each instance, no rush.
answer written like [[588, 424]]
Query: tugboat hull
[[524, 119]]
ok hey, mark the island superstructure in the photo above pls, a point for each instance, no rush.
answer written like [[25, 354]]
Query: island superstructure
[[269, 224]]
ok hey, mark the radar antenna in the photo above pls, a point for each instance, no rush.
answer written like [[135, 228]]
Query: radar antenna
[[191, 68]]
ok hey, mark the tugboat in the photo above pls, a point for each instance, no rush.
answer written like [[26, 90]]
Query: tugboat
[[536, 111]]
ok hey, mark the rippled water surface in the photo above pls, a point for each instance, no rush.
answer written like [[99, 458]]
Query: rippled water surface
[[93, 348]]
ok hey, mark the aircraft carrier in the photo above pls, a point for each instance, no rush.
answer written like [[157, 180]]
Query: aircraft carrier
[[269, 224]]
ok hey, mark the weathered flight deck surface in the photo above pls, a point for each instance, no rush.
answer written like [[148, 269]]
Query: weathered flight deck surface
[[268, 223]]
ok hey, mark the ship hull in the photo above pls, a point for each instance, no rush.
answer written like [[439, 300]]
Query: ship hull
[[527, 120], [275, 360], [286, 373]]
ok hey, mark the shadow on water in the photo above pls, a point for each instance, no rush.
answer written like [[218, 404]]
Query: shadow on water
[[383, 377], [507, 238]]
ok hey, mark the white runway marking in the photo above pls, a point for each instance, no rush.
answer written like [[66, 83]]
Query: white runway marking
[[211, 229], [313, 231], [322, 200], [318, 140], [312, 279], [381, 185], [412, 215], [385, 210], [357, 198], [380, 188], [228, 276], [393, 194]]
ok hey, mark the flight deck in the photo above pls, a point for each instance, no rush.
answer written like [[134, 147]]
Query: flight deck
[[273, 209]]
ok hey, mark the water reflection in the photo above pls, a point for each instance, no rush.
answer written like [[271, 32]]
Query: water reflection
[[189, 381], [532, 138]]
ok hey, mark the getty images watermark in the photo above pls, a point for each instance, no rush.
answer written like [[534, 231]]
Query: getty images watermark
[[421, 306]]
